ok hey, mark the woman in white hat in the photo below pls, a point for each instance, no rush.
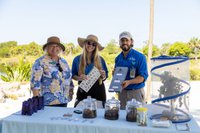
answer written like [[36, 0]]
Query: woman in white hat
[[51, 75], [84, 63]]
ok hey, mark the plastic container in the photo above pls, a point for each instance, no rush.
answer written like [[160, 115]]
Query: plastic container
[[142, 116]]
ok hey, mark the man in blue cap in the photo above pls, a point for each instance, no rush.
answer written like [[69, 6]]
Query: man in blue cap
[[133, 85]]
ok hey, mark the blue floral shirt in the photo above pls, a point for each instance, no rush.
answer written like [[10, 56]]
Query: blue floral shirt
[[52, 78]]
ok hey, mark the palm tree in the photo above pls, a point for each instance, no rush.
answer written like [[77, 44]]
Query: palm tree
[[194, 45]]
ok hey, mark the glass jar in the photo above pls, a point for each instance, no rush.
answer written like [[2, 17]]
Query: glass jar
[[89, 107], [131, 110], [112, 108], [142, 116]]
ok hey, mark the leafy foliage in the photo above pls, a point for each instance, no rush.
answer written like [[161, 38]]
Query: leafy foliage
[[179, 49], [8, 44], [10, 52], [5, 48], [4, 52], [155, 50], [195, 70], [195, 74], [111, 48], [194, 45], [165, 48], [31, 49], [69, 48], [21, 72]]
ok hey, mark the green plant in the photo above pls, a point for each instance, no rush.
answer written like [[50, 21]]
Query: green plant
[[179, 49], [194, 69], [195, 74], [20, 72]]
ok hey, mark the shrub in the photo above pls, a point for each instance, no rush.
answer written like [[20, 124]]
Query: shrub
[[194, 74], [19, 72]]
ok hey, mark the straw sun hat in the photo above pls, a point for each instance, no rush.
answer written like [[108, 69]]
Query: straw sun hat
[[81, 41]]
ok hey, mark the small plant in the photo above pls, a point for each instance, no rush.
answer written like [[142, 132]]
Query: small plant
[[19, 72]]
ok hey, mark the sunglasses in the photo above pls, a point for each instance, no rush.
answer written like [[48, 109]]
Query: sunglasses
[[59, 67], [92, 43]]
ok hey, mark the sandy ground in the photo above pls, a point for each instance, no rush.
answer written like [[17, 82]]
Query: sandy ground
[[12, 106]]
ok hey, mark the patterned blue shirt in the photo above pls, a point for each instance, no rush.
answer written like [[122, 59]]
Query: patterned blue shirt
[[134, 61], [52, 78]]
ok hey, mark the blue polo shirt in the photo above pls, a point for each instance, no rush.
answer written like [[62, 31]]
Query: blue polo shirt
[[133, 60], [89, 67]]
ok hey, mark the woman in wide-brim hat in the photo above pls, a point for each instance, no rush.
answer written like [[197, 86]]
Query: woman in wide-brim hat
[[51, 75], [84, 63], [54, 40], [93, 38]]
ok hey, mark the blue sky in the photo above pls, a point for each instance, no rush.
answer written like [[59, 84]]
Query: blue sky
[[35, 20]]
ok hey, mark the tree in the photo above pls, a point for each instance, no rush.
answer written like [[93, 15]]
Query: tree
[[69, 48], [165, 48], [8, 44], [5, 48], [112, 47], [32, 49], [77, 50], [4, 52], [179, 49], [17, 50], [194, 45], [155, 50]]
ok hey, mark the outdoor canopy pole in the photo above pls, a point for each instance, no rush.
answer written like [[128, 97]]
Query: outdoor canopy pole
[[150, 43]]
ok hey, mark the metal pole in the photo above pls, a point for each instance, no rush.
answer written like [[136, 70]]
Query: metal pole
[[150, 43]]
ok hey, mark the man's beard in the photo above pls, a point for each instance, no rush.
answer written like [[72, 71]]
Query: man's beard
[[125, 49]]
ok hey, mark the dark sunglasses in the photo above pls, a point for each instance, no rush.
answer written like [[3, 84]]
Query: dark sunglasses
[[59, 67], [92, 43]]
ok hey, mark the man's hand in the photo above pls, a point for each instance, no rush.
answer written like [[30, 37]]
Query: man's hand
[[125, 84]]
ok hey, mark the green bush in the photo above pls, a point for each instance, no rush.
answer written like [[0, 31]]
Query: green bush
[[179, 49], [194, 74], [4, 52], [19, 72]]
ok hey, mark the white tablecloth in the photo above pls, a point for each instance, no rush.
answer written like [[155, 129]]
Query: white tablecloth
[[0, 125], [51, 120]]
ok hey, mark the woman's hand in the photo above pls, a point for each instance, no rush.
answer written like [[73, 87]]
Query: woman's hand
[[82, 77], [103, 74], [71, 93], [36, 92]]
